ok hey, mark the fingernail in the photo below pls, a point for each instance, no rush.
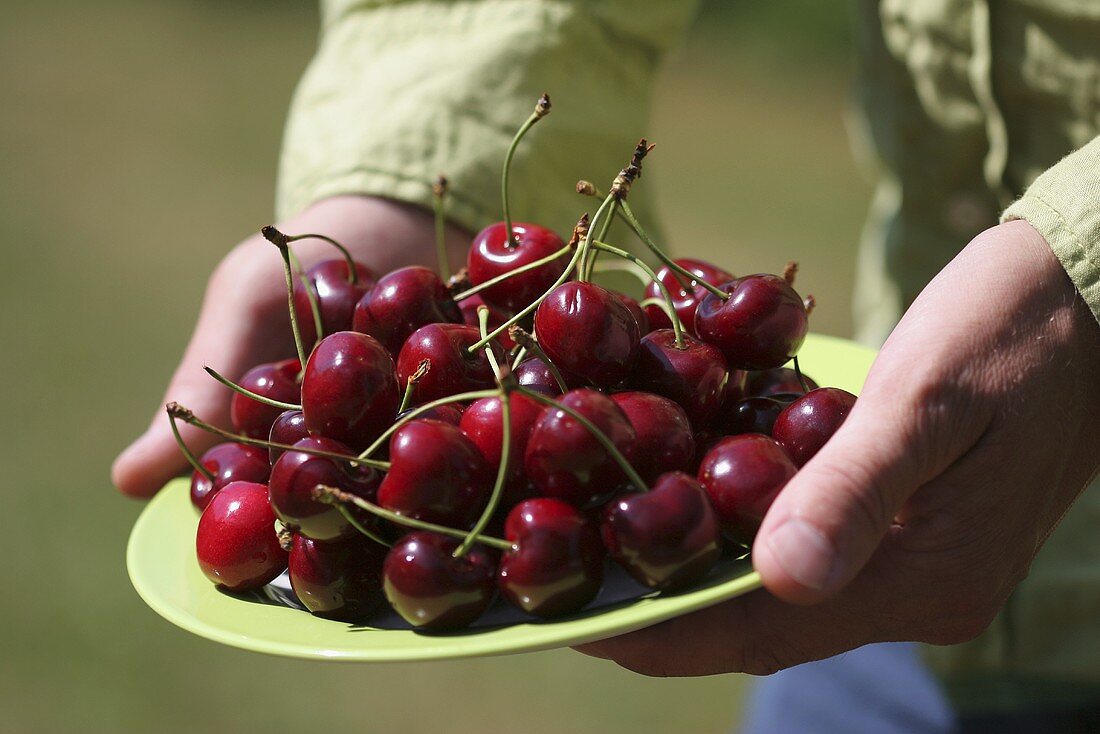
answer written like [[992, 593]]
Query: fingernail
[[804, 553]]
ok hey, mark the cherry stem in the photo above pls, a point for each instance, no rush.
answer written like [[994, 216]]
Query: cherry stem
[[578, 252], [512, 273], [422, 369], [801, 378], [483, 327], [439, 205], [420, 409], [628, 217], [531, 344], [520, 354], [624, 266], [248, 393], [673, 317], [333, 496], [188, 417], [281, 240], [502, 476], [790, 271], [809, 303], [600, 235], [542, 109], [354, 522], [285, 536], [311, 295], [587, 188], [599, 435], [195, 463]]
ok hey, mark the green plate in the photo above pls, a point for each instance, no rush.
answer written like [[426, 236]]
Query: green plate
[[162, 566]]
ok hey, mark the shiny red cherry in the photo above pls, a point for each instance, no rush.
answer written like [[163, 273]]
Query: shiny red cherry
[[497, 316], [556, 563], [228, 462], [236, 542], [492, 254], [742, 476], [535, 375], [401, 302], [349, 390], [637, 311], [340, 580], [289, 428], [806, 424], [335, 296], [685, 294], [295, 475], [448, 413], [482, 424], [430, 588], [666, 538], [565, 461], [275, 380], [664, 440], [765, 383], [694, 376], [587, 330], [454, 368], [436, 474], [753, 415], [760, 326]]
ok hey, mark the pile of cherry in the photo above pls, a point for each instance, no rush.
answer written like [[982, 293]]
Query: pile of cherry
[[519, 399]]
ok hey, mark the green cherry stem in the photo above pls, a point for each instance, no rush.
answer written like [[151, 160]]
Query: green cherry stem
[[420, 409], [502, 476], [623, 266], [354, 522], [195, 463], [279, 239], [599, 435], [439, 208], [188, 417], [410, 385], [334, 496], [311, 295], [601, 234], [531, 344], [801, 378], [677, 325], [542, 109], [512, 273], [628, 217], [248, 393], [520, 354], [483, 326]]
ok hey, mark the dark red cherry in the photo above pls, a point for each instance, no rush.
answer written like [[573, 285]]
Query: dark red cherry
[[448, 413], [275, 380], [497, 316], [761, 325], [685, 294], [587, 330], [236, 542], [753, 415], [401, 302], [637, 311], [535, 375], [765, 383], [293, 478], [666, 538], [289, 428], [664, 440], [565, 461], [340, 580], [430, 588], [806, 424], [694, 376], [482, 424], [491, 254], [436, 474], [556, 563], [743, 475], [454, 369], [228, 462], [336, 297], [349, 390]]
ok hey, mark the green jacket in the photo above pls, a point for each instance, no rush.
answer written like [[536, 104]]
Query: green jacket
[[967, 105]]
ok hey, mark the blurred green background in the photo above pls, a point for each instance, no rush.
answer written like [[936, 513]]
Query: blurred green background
[[138, 142]]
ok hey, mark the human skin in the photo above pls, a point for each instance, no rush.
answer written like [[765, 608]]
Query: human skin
[[244, 319], [974, 433]]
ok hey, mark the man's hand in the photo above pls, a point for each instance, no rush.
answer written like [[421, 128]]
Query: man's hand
[[974, 433], [244, 319]]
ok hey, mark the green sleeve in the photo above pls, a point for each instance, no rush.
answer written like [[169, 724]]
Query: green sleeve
[[1064, 205], [400, 92]]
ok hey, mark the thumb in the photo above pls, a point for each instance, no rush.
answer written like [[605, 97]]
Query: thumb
[[832, 515]]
